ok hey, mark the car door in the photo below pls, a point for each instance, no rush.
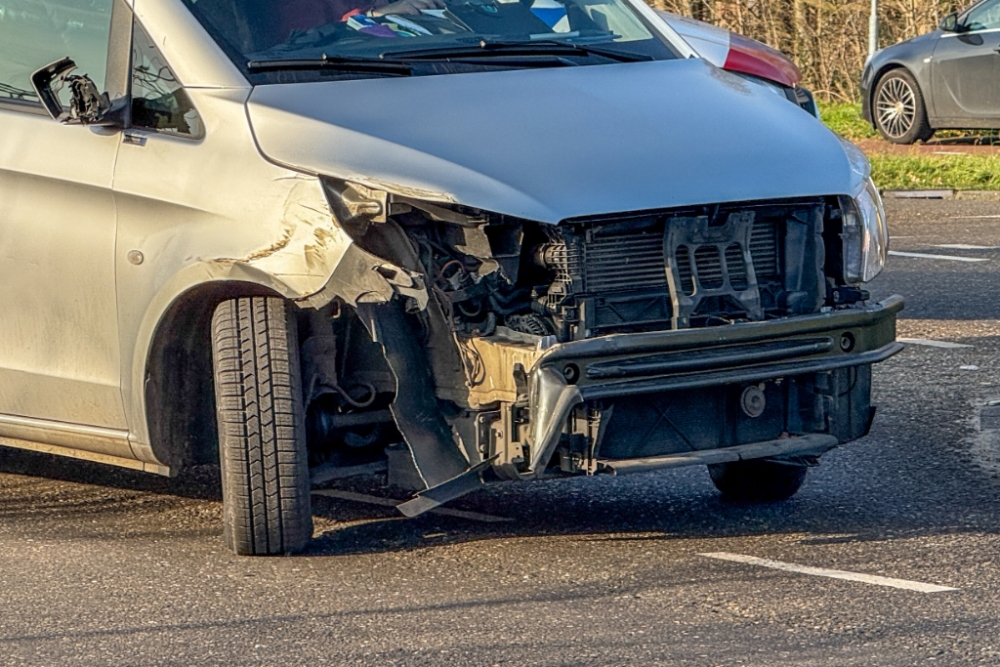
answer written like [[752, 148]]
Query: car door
[[59, 354], [965, 69]]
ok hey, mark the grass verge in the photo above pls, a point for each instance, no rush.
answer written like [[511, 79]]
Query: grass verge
[[921, 172], [894, 171], [845, 119]]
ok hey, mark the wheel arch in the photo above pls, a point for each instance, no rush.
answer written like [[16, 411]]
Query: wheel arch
[[177, 390]]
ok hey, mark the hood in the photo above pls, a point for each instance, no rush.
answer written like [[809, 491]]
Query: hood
[[926, 37], [555, 143], [906, 46]]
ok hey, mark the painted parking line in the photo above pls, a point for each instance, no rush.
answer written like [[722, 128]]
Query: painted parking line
[[923, 255], [905, 584], [943, 344], [391, 502], [966, 246]]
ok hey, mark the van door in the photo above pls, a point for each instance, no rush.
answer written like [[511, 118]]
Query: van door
[[59, 353]]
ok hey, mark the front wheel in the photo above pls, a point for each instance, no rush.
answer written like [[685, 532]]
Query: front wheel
[[898, 109], [757, 480], [262, 447]]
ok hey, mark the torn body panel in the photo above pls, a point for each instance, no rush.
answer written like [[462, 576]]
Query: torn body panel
[[546, 347], [217, 241]]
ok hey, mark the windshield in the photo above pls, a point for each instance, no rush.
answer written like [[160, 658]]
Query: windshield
[[292, 40]]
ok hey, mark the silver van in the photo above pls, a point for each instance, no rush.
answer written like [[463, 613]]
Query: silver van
[[444, 241]]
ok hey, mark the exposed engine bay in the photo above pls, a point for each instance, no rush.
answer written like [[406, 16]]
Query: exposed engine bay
[[542, 351], [672, 270]]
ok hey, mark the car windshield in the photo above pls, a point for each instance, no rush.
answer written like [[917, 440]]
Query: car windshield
[[289, 40]]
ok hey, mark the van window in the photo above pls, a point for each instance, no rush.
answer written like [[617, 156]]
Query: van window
[[284, 41], [158, 100], [34, 33]]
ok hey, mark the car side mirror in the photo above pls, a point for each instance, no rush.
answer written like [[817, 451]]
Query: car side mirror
[[950, 23], [87, 105]]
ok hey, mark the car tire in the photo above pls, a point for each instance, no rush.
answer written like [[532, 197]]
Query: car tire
[[262, 447], [757, 480], [898, 109]]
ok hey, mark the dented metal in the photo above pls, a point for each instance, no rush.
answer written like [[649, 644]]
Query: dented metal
[[529, 143], [507, 271]]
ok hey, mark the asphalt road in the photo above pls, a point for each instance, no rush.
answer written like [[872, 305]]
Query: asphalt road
[[105, 567]]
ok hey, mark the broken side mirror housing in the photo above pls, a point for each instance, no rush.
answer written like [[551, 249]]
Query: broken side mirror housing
[[87, 106]]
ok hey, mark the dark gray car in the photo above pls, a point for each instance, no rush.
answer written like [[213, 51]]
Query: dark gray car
[[946, 79]]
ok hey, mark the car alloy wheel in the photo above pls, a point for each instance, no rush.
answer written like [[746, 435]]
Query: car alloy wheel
[[896, 107]]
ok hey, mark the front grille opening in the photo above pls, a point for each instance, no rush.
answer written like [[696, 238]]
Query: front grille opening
[[680, 268], [709, 265], [737, 268], [764, 248], [684, 269]]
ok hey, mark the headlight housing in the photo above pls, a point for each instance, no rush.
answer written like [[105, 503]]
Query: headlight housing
[[864, 234]]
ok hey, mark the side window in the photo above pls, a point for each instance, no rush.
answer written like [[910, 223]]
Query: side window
[[34, 33], [984, 17], [158, 101]]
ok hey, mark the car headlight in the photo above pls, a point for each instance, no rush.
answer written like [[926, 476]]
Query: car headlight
[[864, 233]]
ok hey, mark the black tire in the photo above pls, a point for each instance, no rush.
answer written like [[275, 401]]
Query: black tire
[[898, 109], [262, 448], [758, 480]]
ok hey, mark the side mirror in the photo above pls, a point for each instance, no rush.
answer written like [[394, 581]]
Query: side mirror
[[950, 23], [87, 105]]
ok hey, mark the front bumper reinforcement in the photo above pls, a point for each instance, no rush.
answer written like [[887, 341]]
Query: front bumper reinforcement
[[622, 365], [813, 444]]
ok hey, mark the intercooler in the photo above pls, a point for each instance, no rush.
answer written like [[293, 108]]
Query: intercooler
[[684, 269], [624, 262]]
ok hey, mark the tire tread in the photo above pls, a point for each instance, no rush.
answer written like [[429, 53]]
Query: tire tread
[[265, 474]]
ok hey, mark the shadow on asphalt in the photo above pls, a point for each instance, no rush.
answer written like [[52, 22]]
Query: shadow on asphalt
[[609, 517], [198, 482], [874, 489], [667, 506]]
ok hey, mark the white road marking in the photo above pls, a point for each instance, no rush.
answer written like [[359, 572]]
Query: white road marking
[[923, 255], [932, 343], [833, 574], [966, 246], [391, 502]]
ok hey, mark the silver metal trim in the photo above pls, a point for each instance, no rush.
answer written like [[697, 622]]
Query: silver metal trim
[[812, 444], [90, 439]]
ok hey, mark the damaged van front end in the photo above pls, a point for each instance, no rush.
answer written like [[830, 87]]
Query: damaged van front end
[[590, 302], [617, 343], [483, 241]]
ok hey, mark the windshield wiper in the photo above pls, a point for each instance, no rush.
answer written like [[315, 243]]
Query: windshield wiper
[[344, 63], [536, 47]]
